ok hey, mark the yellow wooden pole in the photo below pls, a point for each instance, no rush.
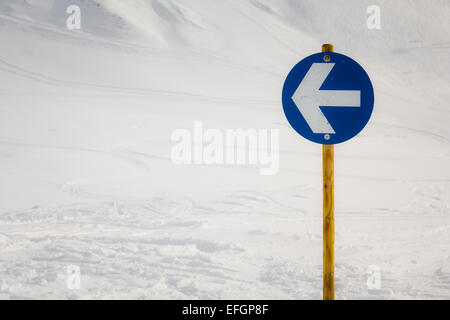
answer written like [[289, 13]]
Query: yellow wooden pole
[[328, 213]]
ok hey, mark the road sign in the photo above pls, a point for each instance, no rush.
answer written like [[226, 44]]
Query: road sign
[[328, 98]]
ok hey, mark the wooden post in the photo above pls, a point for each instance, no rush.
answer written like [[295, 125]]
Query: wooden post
[[328, 213]]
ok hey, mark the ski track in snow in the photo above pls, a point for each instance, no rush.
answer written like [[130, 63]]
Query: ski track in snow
[[159, 249], [124, 90]]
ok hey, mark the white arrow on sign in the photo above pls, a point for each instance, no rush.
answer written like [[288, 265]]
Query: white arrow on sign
[[308, 98]]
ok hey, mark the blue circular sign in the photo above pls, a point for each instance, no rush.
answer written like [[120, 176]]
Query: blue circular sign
[[328, 98]]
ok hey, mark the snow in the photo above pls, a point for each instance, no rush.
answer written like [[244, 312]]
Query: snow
[[86, 118]]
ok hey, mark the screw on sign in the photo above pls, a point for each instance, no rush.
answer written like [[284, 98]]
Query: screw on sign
[[328, 99]]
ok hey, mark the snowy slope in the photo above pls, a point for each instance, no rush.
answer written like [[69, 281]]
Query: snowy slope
[[86, 118]]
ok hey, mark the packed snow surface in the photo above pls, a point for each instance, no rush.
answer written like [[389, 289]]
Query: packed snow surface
[[86, 118]]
